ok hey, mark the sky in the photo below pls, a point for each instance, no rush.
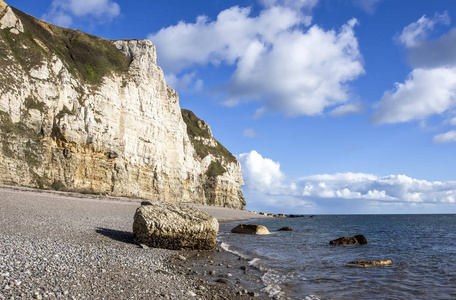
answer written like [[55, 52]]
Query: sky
[[331, 106]]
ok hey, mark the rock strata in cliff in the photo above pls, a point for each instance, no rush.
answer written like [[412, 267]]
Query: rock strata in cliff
[[82, 113]]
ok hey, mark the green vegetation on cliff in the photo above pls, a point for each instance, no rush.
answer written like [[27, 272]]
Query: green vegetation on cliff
[[197, 131], [86, 56], [215, 169]]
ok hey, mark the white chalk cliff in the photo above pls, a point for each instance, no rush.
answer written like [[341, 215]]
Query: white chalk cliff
[[86, 114]]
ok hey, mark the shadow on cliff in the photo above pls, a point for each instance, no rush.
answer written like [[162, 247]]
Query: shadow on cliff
[[117, 235]]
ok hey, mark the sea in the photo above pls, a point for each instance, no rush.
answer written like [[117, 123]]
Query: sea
[[301, 264]]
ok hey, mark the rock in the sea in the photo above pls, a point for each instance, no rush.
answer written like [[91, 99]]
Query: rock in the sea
[[372, 263], [176, 227], [345, 241], [250, 229], [286, 229]]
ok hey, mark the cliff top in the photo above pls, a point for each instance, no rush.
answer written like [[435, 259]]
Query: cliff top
[[86, 56]]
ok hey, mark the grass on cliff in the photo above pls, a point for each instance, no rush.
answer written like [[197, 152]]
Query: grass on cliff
[[29, 139], [87, 57], [215, 169], [194, 130]]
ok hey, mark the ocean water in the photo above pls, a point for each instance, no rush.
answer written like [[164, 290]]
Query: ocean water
[[301, 264]]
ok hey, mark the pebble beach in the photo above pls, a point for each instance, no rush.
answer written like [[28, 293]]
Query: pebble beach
[[58, 245]]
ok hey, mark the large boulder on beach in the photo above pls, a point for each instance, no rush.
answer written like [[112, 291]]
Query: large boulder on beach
[[250, 229], [173, 226], [345, 241], [372, 263]]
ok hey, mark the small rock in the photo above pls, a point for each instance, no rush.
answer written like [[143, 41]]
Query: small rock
[[286, 229], [143, 246], [251, 229], [191, 294], [202, 288], [182, 258], [345, 241], [253, 294], [223, 280], [212, 272], [372, 263]]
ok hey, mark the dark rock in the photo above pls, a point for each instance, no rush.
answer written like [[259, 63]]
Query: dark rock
[[223, 280], [112, 155], [250, 229], [345, 241], [146, 203], [296, 216], [286, 229], [67, 152]]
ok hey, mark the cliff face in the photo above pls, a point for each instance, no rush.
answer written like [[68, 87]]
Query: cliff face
[[81, 113]]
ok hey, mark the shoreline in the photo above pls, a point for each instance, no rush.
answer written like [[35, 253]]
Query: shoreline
[[64, 245]]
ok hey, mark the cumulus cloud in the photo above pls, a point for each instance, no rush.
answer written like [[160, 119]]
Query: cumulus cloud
[[261, 174], [426, 92], [62, 12], [413, 34], [264, 177], [430, 89], [447, 137], [275, 59]]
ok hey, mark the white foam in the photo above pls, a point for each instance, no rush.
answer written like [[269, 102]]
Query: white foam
[[254, 261], [226, 247], [274, 291], [312, 297]]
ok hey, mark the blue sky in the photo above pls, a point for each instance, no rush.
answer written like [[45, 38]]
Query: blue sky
[[331, 106]]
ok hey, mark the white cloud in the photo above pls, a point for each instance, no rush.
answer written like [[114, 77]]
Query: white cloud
[[275, 59], [347, 109], [296, 4], [264, 179], [413, 34], [250, 133], [261, 174], [453, 121], [368, 6], [448, 137], [62, 12], [426, 92], [186, 82]]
